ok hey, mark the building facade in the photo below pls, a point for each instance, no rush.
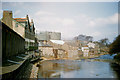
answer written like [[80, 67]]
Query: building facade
[[29, 32], [10, 42], [45, 35], [22, 26]]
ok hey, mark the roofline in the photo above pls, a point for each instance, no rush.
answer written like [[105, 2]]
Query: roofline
[[19, 23]]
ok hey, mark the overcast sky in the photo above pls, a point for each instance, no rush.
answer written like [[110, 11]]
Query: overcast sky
[[97, 19]]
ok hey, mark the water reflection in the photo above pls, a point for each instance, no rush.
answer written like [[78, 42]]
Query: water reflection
[[54, 68], [75, 69]]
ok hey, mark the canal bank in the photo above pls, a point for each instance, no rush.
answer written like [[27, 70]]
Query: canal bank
[[13, 75], [87, 68], [16, 65]]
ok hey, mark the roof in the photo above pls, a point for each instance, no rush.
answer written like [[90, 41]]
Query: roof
[[41, 44], [85, 48], [90, 43], [61, 42], [4, 26], [20, 19], [71, 43]]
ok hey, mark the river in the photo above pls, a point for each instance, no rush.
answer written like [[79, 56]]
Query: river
[[101, 67], [90, 68]]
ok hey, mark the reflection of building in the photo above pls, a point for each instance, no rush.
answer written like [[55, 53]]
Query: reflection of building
[[52, 69]]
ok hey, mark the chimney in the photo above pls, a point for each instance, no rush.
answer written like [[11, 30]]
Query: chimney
[[31, 20], [27, 17], [7, 18]]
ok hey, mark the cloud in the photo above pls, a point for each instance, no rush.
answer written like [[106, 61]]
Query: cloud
[[51, 21], [67, 22], [92, 23], [101, 22], [17, 12], [114, 18], [44, 13], [96, 34], [13, 3], [72, 26]]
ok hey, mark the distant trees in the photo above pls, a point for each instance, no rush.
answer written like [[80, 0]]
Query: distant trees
[[115, 46], [83, 38], [104, 41]]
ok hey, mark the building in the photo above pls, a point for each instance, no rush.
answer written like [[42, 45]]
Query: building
[[85, 50], [29, 32], [90, 44], [15, 33], [52, 51], [11, 23], [10, 42], [22, 26], [45, 35], [48, 51], [69, 49]]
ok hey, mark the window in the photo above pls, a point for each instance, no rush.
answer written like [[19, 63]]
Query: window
[[16, 25]]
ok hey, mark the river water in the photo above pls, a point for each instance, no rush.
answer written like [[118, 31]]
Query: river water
[[91, 68]]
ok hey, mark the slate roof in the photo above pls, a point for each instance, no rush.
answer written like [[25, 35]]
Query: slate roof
[[41, 44], [61, 42], [20, 19], [71, 43]]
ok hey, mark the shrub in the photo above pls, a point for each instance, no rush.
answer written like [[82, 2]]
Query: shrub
[[32, 48], [117, 56]]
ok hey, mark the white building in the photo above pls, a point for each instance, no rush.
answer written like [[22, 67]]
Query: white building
[[85, 51], [61, 42], [90, 44]]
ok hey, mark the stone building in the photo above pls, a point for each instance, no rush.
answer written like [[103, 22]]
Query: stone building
[[69, 48], [29, 32], [22, 26], [47, 50], [72, 49], [11, 23], [51, 52], [15, 31], [46, 35]]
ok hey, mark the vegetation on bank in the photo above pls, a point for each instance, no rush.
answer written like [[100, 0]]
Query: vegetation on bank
[[114, 48], [117, 57], [33, 48]]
